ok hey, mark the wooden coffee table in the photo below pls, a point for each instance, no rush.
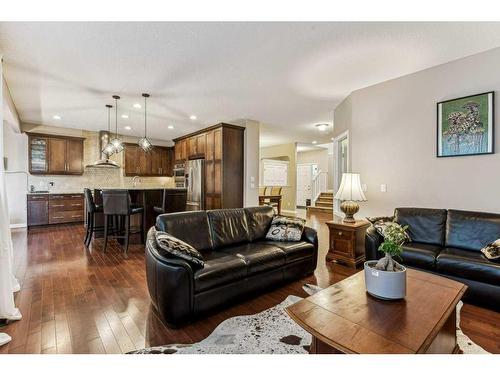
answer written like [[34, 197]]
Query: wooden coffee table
[[343, 318]]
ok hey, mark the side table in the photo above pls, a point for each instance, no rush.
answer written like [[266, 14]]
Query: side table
[[347, 241]]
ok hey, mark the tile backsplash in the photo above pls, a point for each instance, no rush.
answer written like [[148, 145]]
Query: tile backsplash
[[95, 177]]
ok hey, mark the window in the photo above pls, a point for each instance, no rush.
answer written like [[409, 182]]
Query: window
[[274, 172]]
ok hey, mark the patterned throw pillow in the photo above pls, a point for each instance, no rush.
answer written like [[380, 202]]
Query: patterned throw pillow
[[286, 229], [492, 251], [179, 249], [381, 224]]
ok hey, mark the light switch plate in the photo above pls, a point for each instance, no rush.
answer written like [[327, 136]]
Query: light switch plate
[[364, 187]]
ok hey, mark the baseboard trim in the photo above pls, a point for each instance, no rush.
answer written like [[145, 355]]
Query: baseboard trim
[[21, 225]]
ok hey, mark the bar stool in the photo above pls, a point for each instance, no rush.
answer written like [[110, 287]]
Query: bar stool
[[92, 208], [117, 204], [174, 200]]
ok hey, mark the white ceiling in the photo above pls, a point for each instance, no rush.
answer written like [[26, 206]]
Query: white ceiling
[[289, 76]]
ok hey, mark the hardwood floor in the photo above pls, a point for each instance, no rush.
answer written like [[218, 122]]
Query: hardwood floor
[[78, 300]]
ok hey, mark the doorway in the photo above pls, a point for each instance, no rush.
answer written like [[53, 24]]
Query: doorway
[[305, 173], [340, 163]]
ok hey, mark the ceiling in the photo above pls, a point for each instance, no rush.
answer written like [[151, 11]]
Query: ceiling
[[288, 76]]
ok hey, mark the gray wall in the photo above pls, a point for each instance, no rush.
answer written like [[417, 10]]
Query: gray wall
[[392, 128]]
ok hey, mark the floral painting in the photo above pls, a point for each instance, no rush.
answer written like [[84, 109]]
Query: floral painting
[[465, 126]]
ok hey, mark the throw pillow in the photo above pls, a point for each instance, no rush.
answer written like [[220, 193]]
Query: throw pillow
[[492, 251], [383, 223], [178, 249], [286, 229]]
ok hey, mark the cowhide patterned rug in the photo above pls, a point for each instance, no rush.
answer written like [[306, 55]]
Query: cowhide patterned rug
[[271, 331]]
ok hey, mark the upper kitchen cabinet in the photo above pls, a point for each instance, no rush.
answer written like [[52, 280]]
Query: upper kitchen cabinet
[[221, 146], [196, 146], [181, 150], [157, 162], [55, 155]]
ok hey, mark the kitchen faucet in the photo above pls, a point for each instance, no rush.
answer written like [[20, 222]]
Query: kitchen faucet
[[136, 179]]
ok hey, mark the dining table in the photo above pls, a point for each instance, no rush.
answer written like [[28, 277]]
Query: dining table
[[269, 200]]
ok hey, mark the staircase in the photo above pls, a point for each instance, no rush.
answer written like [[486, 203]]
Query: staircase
[[324, 203]]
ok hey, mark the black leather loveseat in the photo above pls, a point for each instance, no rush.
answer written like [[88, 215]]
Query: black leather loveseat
[[448, 242], [238, 260]]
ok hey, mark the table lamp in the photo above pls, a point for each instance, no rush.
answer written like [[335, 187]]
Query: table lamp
[[350, 193]]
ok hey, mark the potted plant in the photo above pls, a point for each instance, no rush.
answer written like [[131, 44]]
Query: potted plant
[[386, 278]]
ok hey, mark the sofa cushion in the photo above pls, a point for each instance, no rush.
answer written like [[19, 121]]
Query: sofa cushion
[[259, 220], [294, 250], [468, 264], [425, 225], [229, 227], [257, 256], [191, 227], [220, 268], [420, 255], [471, 230]]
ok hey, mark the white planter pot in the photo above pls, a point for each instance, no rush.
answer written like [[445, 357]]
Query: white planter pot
[[385, 284]]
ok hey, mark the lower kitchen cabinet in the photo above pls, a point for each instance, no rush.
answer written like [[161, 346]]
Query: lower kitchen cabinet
[[46, 209], [38, 209]]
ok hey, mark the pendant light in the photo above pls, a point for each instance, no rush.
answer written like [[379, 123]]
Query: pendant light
[[144, 142], [116, 142], [109, 149]]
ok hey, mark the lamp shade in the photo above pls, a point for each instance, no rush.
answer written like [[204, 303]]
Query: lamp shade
[[350, 188]]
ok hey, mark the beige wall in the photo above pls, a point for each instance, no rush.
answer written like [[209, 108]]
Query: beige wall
[[392, 129], [286, 152]]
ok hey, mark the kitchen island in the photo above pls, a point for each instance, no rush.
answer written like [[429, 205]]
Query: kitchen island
[[147, 197]]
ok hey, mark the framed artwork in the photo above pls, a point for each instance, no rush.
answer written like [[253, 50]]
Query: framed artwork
[[465, 126]]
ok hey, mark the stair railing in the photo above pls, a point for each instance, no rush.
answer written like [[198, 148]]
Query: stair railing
[[319, 185]]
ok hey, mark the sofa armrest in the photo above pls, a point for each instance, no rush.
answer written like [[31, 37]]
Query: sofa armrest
[[373, 239], [310, 235], [170, 284]]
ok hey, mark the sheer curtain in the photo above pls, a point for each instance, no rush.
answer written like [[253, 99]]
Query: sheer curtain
[[8, 283]]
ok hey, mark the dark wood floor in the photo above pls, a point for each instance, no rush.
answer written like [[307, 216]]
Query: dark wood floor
[[78, 300]]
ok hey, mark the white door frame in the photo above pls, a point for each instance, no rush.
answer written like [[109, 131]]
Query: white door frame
[[336, 166], [297, 180]]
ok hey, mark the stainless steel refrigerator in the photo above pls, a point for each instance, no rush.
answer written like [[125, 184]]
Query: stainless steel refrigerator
[[195, 182]]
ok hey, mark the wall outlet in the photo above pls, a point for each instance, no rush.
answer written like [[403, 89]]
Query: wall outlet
[[383, 188]]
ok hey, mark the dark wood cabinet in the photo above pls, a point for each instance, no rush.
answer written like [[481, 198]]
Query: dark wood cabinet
[[157, 162], [55, 155], [46, 209], [222, 147], [181, 150], [347, 241], [38, 209]]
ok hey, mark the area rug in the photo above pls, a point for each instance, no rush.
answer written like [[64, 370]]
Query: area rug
[[271, 331]]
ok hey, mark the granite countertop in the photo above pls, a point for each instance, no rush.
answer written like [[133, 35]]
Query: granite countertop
[[76, 191]]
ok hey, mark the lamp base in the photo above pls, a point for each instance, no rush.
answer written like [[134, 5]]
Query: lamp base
[[349, 208]]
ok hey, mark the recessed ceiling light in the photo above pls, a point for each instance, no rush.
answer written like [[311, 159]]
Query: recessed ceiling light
[[137, 105], [124, 116], [322, 127], [56, 117], [128, 128], [193, 117], [314, 142], [332, 138], [170, 126]]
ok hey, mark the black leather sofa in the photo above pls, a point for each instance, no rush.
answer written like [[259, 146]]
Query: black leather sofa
[[448, 242], [239, 261]]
